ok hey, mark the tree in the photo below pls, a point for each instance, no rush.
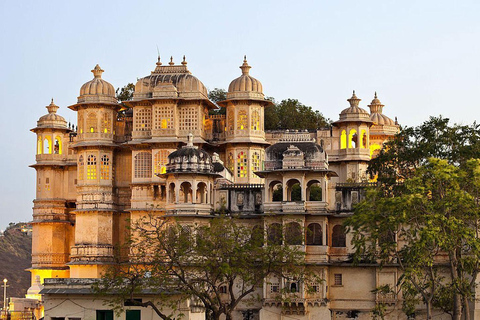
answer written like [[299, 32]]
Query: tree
[[412, 146], [429, 228], [220, 264], [292, 114], [215, 96], [125, 93]]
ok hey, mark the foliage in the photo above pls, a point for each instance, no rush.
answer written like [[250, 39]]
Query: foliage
[[219, 264], [412, 146], [125, 93], [215, 96], [292, 114], [434, 217]]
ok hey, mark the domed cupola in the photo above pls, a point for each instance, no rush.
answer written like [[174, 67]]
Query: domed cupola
[[245, 86], [376, 115], [354, 113], [190, 159], [52, 119], [97, 90]]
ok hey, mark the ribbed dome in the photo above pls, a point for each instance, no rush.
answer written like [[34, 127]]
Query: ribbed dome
[[190, 159], [354, 112], [376, 109], [245, 86], [97, 90], [172, 81], [52, 119]]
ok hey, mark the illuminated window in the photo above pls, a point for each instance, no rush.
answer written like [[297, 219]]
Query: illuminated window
[[105, 168], [106, 123], [143, 119], [80, 122], [143, 165], [47, 145], [39, 145], [80, 167], [160, 161], [163, 118], [255, 120], [91, 167], [230, 162], [230, 120], [374, 150], [255, 163], [242, 165], [343, 140], [353, 139], [242, 120], [47, 184], [92, 122], [57, 147]]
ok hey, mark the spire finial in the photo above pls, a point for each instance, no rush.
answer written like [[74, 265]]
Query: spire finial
[[159, 63], [354, 101], [171, 61], [52, 107], [184, 62], [375, 94], [245, 67], [97, 71]]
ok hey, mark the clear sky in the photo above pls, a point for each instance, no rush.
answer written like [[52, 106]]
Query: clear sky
[[422, 57]]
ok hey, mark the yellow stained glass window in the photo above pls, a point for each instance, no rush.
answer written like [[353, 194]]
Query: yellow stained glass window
[[255, 163], [160, 161], [255, 120], [91, 167], [105, 168], [242, 120]]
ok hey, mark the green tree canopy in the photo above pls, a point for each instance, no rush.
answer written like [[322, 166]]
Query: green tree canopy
[[292, 114], [219, 264], [125, 93]]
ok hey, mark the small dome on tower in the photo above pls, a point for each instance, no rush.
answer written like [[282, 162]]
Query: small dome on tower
[[52, 119], [354, 112], [245, 86], [376, 109], [97, 90]]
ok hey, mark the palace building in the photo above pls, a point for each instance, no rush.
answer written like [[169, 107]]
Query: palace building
[[163, 153]]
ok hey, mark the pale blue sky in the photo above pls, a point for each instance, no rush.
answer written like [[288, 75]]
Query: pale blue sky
[[422, 57]]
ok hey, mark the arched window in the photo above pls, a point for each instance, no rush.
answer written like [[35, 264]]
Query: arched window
[[242, 164], [47, 145], [242, 120], [92, 122], [255, 163], [91, 167], [80, 167], [353, 139], [231, 162], [276, 191], [171, 193], [363, 140], [314, 234], [339, 238], [104, 168], [185, 192], [255, 120], [160, 161], [143, 165], [57, 147], [314, 191], [343, 140], [294, 190], [201, 194], [293, 233], [39, 145], [274, 234], [107, 123]]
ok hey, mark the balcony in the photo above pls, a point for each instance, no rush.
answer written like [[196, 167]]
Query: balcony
[[92, 253], [49, 259], [387, 298]]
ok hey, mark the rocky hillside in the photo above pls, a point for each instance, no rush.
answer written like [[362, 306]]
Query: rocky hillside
[[15, 257]]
